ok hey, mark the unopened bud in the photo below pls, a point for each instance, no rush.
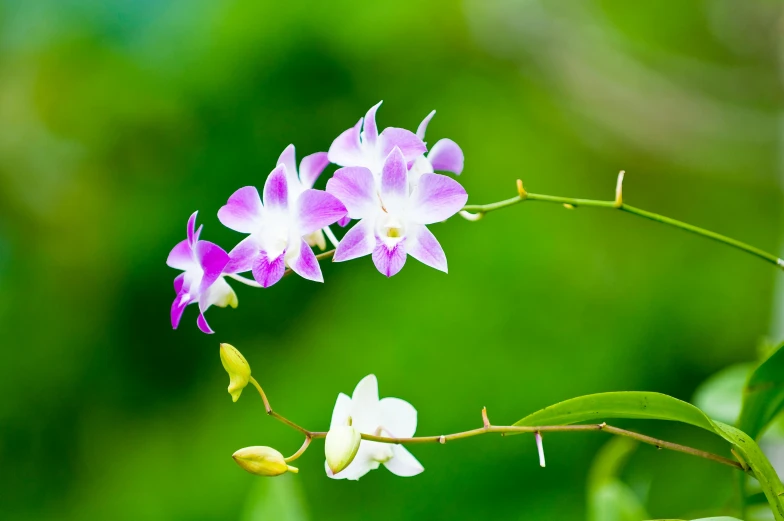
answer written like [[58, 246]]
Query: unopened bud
[[341, 446], [262, 461], [238, 369]]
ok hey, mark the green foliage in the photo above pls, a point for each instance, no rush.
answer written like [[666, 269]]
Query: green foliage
[[763, 396], [656, 406], [609, 498], [278, 499]]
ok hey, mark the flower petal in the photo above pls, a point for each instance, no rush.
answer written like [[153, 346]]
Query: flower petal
[[370, 130], [394, 181], [358, 242], [422, 128], [276, 192], [436, 198], [306, 265], [365, 410], [446, 155], [192, 228], [289, 158], [344, 221], [341, 411], [178, 307], [242, 212], [317, 209], [310, 168], [346, 150], [389, 261], [181, 256], [356, 189], [203, 325], [178, 282], [362, 464], [398, 417], [268, 272], [219, 294], [212, 259], [424, 247], [242, 256], [403, 463], [405, 140]]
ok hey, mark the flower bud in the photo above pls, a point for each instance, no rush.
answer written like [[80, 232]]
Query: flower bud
[[238, 369], [341, 446], [262, 461]]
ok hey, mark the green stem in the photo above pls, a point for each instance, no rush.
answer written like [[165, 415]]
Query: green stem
[[481, 209]]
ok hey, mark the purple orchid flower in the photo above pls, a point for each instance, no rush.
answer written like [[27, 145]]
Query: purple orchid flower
[[445, 155], [362, 145], [291, 212], [393, 219], [203, 263]]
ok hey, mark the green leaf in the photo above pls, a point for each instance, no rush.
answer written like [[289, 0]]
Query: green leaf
[[279, 498], [720, 518], [721, 396], [763, 397], [655, 406], [610, 499]]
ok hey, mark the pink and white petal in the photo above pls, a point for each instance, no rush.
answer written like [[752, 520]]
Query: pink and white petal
[[436, 198], [405, 140], [424, 247], [394, 181], [242, 212], [317, 209], [355, 187], [358, 242], [178, 283], [242, 256], [192, 228], [344, 221], [362, 464], [289, 158], [276, 191], [181, 256], [446, 155], [403, 463], [306, 265], [197, 234], [365, 410], [268, 271], [341, 411], [422, 128], [370, 130], [398, 417], [346, 150], [203, 325], [178, 307], [389, 261], [219, 294], [212, 259], [310, 168]]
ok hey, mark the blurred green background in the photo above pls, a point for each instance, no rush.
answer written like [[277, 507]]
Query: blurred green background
[[118, 118]]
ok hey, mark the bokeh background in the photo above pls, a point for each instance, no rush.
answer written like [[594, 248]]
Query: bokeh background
[[118, 118]]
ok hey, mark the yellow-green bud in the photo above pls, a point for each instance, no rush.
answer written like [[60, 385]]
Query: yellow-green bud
[[238, 369], [341, 446], [262, 461]]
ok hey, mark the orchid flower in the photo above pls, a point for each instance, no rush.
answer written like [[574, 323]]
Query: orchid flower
[[362, 145], [445, 155], [392, 219], [203, 263], [278, 227], [390, 417], [310, 168]]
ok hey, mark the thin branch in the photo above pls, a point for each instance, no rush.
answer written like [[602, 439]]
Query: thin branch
[[487, 428], [474, 212]]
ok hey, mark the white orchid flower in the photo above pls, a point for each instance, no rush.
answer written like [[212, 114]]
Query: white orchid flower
[[390, 417]]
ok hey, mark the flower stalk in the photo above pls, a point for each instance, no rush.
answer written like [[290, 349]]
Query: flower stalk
[[503, 430]]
